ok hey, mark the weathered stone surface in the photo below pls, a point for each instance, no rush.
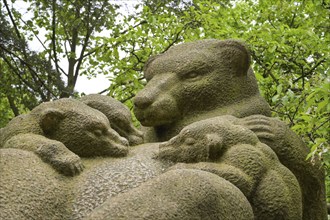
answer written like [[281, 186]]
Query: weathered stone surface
[[292, 153], [30, 188], [50, 151], [62, 130], [209, 78], [105, 178], [195, 81], [179, 194], [118, 114], [36, 191], [233, 152], [222, 156]]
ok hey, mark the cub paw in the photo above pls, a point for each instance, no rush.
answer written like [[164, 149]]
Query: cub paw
[[259, 124], [67, 164], [60, 158]]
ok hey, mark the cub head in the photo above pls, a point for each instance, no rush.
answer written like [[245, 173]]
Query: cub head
[[206, 140], [118, 114], [82, 129], [194, 78]]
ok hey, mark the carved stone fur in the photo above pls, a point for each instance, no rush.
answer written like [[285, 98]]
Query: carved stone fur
[[62, 131]]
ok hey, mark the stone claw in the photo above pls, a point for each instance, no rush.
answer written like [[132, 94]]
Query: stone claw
[[69, 165], [259, 124]]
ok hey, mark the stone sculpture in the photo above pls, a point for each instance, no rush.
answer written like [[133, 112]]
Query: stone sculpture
[[222, 156], [61, 131], [118, 114], [196, 81], [220, 146], [209, 78]]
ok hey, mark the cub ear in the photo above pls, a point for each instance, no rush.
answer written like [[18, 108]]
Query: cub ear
[[49, 119], [214, 143]]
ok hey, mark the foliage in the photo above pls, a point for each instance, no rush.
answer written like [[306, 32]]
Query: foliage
[[289, 41], [21, 79], [291, 51], [64, 30], [154, 28]]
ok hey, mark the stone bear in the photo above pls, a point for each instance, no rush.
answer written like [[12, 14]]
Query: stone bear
[[209, 78], [138, 186], [195, 81], [118, 114], [234, 152], [61, 132], [178, 194]]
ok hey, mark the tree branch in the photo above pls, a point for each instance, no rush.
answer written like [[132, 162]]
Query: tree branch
[[12, 19], [297, 109], [33, 73], [12, 105], [310, 71], [54, 36], [266, 70], [15, 70], [120, 33], [292, 20], [43, 45], [176, 37], [87, 37], [72, 61]]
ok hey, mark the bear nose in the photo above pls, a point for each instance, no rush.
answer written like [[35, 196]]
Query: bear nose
[[142, 102]]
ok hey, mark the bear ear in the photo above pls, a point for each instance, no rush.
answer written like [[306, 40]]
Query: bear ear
[[50, 118], [148, 63], [236, 55], [214, 143], [150, 60]]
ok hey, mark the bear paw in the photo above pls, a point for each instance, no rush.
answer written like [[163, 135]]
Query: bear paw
[[61, 158], [68, 165]]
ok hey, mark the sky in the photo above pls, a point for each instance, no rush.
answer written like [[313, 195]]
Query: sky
[[84, 84], [91, 86], [100, 83]]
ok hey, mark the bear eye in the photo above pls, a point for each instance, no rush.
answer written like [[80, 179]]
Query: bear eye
[[98, 132], [191, 75], [189, 141]]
